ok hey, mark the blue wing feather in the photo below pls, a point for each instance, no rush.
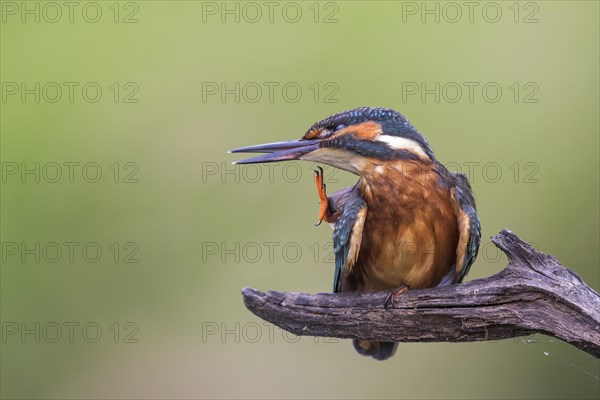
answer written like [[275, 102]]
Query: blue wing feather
[[342, 233], [473, 242], [464, 196]]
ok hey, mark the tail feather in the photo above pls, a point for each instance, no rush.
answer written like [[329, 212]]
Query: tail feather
[[377, 350]]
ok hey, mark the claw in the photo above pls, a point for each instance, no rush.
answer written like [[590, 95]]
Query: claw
[[321, 191], [393, 296]]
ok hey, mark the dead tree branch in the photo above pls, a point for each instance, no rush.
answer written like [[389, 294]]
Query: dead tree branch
[[533, 294]]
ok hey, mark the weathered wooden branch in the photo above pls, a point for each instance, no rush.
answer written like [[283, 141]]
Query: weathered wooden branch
[[533, 294]]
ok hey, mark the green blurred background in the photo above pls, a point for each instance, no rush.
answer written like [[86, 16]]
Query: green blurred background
[[173, 324]]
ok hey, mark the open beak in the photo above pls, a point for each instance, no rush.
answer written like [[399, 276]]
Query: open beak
[[278, 151]]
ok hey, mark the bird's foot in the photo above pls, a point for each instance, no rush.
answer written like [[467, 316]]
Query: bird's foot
[[321, 191], [393, 296]]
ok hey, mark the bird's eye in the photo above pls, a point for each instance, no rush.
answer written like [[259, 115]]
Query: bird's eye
[[338, 127]]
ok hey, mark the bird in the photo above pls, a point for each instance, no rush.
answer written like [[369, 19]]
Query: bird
[[407, 223]]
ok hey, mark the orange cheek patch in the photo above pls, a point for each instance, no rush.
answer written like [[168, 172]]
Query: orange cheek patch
[[367, 130]]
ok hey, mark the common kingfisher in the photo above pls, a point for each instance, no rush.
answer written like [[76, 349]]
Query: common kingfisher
[[408, 222]]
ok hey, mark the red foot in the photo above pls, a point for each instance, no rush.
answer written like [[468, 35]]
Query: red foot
[[321, 191], [393, 296]]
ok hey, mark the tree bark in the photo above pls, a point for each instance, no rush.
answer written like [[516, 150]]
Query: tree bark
[[533, 294]]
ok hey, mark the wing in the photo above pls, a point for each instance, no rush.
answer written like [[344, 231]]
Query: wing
[[468, 227], [347, 234]]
